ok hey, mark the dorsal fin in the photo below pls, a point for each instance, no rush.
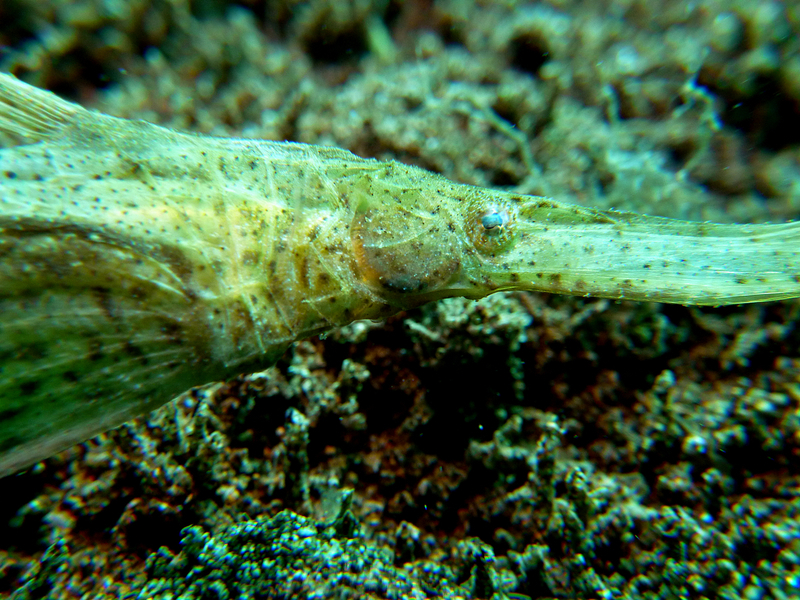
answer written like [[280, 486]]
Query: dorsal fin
[[28, 114]]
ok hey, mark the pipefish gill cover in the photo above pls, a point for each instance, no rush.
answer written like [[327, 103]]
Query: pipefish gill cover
[[525, 444]]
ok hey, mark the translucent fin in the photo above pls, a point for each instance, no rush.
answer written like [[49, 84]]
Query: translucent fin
[[92, 333], [28, 114], [73, 366]]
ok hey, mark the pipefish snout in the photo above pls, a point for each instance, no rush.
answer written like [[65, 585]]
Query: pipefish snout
[[137, 262]]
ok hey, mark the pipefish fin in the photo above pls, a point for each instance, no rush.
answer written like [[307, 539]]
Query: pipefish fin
[[100, 322]]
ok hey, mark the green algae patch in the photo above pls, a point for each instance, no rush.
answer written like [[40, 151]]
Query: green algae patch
[[286, 556]]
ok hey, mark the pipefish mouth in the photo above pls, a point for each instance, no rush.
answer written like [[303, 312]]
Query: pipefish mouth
[[137, 262]]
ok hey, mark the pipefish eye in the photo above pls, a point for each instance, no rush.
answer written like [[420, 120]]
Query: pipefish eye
[[492, 221], [490, 226]]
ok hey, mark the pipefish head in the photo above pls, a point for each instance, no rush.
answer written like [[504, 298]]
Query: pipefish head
[[418, 237], [426, 239], [517, 242]]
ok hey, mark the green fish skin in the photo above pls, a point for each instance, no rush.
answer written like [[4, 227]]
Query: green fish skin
[[137, 262]]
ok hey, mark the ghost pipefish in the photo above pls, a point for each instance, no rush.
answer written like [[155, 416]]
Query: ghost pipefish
[[137, 262]]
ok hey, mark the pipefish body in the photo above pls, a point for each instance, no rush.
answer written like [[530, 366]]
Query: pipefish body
[[137, 262]]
